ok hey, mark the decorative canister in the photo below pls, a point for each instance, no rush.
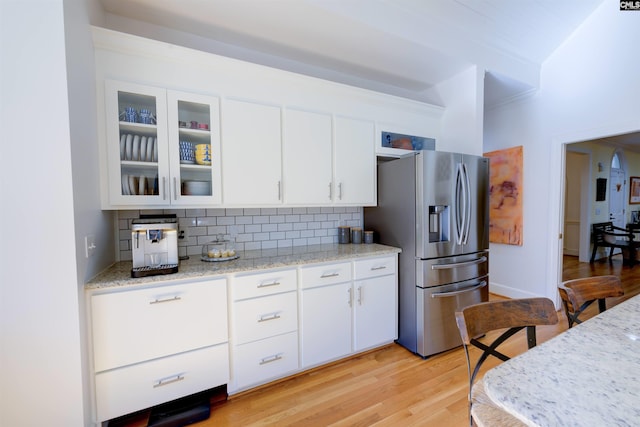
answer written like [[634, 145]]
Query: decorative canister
[[356, 235], [344, 234], [368, 237]]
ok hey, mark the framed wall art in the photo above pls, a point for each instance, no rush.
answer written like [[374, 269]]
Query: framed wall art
[[634, 190], [505, 196]]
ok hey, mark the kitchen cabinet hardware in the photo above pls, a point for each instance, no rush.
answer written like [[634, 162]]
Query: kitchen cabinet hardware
[[164, 188], [160, 301], [279, 190], [326, 276], [270, 359], [359, 295], [350, 290], [382, 267], [340, 191], [267, 317], [266, 285], [175, 188], [166, 381]]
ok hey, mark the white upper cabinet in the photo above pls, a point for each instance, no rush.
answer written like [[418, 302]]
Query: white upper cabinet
[[283, 139], [152, 143], [306, 155], [134, 179], [251, 154], [194, 148], [354, 162]]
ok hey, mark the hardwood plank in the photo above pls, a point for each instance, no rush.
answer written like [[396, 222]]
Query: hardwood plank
[[390, 386]]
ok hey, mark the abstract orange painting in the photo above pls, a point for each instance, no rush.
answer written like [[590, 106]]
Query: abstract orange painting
[[505, 196]]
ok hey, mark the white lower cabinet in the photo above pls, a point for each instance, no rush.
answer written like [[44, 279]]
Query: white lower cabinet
[[339, 319], [131, 388], [374, 312], [156, 344], [326, 323], [265, 360], [264, 327]]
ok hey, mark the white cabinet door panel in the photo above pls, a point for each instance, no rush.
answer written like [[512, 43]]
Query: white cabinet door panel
[[354, 162], [263, 284], [373, 267], [260, 318], [268, 359], [134, 326], [306, 154], [125, 390], [251, 154], [326, 274], [326, 323], [375, 312]]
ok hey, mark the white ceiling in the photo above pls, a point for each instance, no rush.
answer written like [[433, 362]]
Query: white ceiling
[[402, 47]]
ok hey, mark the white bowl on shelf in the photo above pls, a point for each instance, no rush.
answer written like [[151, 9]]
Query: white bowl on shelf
[[196, 188]]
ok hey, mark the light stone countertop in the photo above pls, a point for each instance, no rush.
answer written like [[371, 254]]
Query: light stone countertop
[[119, 274], [586, 376]]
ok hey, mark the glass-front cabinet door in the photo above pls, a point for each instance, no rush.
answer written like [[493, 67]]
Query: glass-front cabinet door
[[136, 144], [194, 148], [163, 146]]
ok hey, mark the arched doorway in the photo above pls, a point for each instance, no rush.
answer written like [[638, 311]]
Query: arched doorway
[[617, 191]]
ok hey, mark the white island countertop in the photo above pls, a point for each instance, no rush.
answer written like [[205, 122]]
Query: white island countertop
[[586, 376], [119, 274]]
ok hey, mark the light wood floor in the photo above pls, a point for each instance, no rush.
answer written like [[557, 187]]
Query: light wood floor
[[389, 386]]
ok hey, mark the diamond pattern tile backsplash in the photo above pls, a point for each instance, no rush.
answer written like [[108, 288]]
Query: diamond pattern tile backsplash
[[255, 228]]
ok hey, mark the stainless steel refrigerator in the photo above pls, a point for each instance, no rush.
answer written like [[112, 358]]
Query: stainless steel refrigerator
[[435, 206]]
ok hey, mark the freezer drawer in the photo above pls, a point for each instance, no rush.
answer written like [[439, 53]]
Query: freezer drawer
[[437, 329], [441, 271]]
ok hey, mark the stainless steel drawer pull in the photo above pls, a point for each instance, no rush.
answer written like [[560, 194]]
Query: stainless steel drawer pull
[[459, 264], [326, 276], [159, 301], [270, 359], [382, 267], [460, 292], [167, 381], [266, 285], [267, 317]]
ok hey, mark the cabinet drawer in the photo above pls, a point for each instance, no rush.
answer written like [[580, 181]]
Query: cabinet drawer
[[260, 318], [132, 388], [326, 274], [257, 285], [134, 326], [264, 360], [373, 267]]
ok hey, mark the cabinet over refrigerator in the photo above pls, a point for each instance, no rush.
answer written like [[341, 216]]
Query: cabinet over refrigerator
[[435, 206]]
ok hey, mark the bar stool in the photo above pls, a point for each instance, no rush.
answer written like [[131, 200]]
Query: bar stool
[[478, 319], [578, 294]]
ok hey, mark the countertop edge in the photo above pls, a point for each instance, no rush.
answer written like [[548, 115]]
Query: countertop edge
[[119, 274]]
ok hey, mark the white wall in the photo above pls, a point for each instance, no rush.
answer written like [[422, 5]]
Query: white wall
[[589, 89], [40, 357], [462, 121]]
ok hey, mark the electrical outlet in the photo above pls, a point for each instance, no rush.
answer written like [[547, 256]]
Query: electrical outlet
[[89, 245]]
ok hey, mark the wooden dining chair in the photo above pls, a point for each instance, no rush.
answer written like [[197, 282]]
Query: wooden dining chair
[[578, 294], [513, 315]]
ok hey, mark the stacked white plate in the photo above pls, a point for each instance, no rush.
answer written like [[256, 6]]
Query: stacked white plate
[[196, 188], [138, 148], [133, 185]]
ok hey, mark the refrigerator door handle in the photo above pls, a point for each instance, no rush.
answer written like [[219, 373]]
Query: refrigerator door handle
[[462, 291], [460, 208], [467, 212], [459, 264]]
